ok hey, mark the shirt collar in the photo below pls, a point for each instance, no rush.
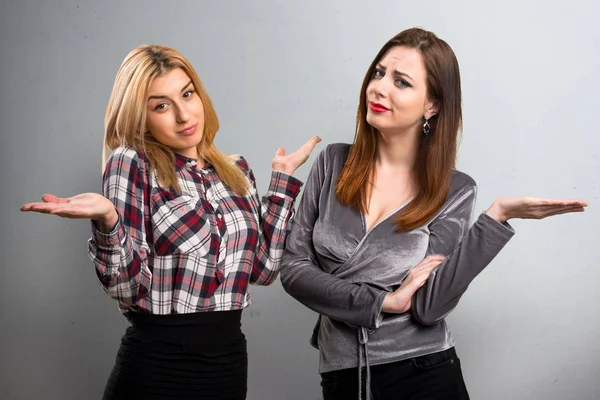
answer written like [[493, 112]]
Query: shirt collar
[[187, 162]]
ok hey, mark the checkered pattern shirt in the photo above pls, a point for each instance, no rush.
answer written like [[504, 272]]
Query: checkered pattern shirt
[[193, 252]]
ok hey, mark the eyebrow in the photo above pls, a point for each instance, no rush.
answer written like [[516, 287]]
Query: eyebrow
[[397, 73], [166, 97]]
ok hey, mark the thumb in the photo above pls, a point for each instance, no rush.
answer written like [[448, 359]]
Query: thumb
[[50, 198], [280, 152]]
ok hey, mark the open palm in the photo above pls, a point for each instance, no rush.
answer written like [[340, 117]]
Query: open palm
[[86, 205], [526, 207], [291, 162]]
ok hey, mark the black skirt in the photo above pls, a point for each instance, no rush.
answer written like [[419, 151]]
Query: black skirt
[[181, 356]]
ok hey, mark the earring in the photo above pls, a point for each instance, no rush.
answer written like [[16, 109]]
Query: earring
[[426, 127]]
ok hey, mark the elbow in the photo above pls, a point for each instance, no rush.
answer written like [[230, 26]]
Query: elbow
[[264, 274], [424, 312], [265, 280], [432, 314], [126, 293], [426, 317], [124, 299], [286, 279], [268, 282]]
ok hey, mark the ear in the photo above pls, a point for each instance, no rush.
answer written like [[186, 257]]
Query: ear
[[431, 108]]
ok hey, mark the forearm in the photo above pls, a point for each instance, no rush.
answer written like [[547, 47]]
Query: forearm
[[447, 283]]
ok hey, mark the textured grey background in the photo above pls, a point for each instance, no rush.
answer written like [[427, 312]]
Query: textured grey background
[[279, 72]]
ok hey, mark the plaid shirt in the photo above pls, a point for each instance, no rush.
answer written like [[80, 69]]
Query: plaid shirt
[[193, 252]]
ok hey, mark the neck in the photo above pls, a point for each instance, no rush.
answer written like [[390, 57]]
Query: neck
[[200, 162], [193, 153], [397, 151]]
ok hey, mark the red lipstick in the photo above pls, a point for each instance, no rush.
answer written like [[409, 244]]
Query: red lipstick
[[378, 108]]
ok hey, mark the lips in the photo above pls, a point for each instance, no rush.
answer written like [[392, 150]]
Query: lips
[[189, 130], [378, 108]]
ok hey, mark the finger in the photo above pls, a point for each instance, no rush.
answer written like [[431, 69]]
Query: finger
[[29, 206], [547, 202], [68, 214], [431, 262], [309, 146], [561, 211], [47, 207], [422, 274], [564, 204], [42, 211], [431, 259], [33, 206], [67, 211], [50, 198], [313, 141], [435, 257], [422, 280], [543, 210], [26, 206], [427, 271], [280, 152]]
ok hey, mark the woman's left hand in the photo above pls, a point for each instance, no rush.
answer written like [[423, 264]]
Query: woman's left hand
[[506, 208], [290, 163]]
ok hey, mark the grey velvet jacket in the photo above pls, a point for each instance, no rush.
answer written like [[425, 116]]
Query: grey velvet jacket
[[336, 268]]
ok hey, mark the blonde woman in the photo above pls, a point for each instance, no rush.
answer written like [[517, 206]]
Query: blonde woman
[[180, 233]]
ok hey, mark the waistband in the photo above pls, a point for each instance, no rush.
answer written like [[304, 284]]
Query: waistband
[[214, 326]]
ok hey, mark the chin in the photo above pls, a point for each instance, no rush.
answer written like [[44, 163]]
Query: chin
[[194, 141], [375, 120], [374, 124]]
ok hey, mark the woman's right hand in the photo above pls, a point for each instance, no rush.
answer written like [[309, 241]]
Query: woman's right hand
[[399, 301], [91, 206]]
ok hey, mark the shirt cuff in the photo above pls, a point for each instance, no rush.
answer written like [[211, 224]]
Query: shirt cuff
[[504, 229], [378, 314], [284, 186], [111, 239]]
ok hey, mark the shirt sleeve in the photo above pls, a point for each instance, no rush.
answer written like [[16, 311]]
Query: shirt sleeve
[[275, 210], [468, 251], [355, 303], [121, 256]]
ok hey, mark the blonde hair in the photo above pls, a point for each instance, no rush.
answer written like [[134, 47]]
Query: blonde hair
[[125, 119]]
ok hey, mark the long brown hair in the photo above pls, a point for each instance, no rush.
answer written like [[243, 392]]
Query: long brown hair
[[436, 154], [125, 120]]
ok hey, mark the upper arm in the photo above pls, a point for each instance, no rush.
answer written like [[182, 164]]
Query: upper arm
[[124, 185], [450, 226]]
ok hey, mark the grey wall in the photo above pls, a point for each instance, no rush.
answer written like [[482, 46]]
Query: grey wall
[[279, 72]]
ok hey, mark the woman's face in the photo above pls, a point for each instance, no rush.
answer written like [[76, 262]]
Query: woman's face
[[175, 114], [397, 99]]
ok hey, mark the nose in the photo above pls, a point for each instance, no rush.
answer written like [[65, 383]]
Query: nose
[[183, 114], [381, 87]]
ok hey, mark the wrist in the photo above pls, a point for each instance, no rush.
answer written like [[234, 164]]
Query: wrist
[[389, 303], [496, 212], [284, 170], [108, 222]]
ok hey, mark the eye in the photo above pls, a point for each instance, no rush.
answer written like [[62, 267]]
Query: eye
[[402, 83], [189, 93], [378, 73], [160, 107]]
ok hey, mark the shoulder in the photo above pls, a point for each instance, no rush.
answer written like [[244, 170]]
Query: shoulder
[[124, 159], [463, 190], [336, 151], [332, 157], [240, 161], [461, 182], [461, 196]]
